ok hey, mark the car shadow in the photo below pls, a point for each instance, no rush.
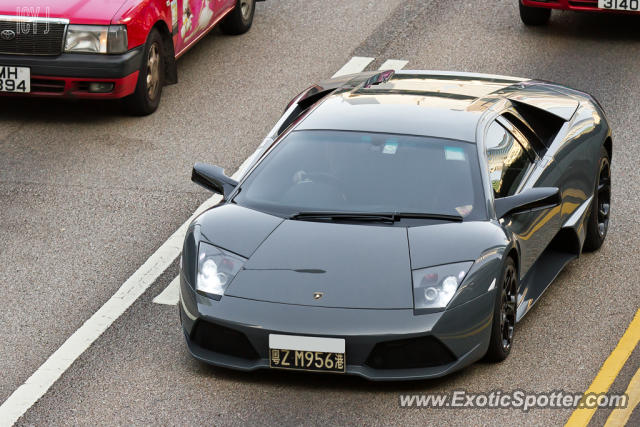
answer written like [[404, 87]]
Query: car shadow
[[59, 110]]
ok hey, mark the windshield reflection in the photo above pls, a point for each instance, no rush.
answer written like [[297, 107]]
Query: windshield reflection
[[355, 172]]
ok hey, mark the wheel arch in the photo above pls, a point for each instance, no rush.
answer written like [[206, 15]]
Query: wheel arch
[[608, 145], [514, 254], [169, 54]]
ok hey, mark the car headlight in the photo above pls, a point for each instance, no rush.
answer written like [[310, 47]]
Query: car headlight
[[96, 39], [434, 287], [216, 269]]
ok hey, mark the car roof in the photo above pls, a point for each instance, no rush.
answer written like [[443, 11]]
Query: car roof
[[427, 103]]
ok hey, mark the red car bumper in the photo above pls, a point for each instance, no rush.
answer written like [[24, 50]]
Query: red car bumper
[[76, 75], [587, 5], [73, 87]]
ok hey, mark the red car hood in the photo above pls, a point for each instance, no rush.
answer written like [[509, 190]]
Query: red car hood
[[99, 12]]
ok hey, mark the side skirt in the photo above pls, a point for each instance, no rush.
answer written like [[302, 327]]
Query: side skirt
[[540, 276], [565, 247]]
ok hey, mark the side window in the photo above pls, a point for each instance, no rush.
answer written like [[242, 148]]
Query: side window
[[507, 160]]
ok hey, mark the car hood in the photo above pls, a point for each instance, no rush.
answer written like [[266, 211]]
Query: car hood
[[351, 266], [77, 11]]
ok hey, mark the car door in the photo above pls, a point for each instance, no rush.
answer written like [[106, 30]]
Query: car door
[[193, 18], [511, 161]]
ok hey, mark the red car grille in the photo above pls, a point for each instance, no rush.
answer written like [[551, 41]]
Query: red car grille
[[47, 85], [31, 38]]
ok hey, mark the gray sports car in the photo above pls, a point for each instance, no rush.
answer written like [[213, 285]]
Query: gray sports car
[[396, 225]]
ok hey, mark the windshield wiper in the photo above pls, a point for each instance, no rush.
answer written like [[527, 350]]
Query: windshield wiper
[[424, 215], [373, 216], [345, 216]]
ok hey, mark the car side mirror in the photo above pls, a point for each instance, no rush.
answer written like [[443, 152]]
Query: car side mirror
[[528, 200], [213, 178]]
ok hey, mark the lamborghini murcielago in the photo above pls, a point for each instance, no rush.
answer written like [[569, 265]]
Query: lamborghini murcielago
[[396, 225]]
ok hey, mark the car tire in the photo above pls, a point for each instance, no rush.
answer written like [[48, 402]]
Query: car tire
[[146, 98], [504, 314], [534, 16], [598, 222], [239, 21]]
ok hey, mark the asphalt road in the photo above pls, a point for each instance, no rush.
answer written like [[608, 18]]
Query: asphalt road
[[87, 195]]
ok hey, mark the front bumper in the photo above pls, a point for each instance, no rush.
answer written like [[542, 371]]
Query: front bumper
[[585, 5], [69, 74], [462, 332]]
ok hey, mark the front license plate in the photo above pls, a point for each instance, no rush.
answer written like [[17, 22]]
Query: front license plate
[[15, 79], [631, 5], [307, 353]]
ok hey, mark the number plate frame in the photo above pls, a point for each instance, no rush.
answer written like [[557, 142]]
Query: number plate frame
[[625, 5], [299, 353], [12, 78]]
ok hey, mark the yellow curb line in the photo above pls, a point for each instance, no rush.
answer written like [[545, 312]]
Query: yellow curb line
[[620, 416], [609, 371]]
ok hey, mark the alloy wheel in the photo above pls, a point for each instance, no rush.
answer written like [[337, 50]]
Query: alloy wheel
[[604, 197], [508, 308], [246, 8], [153, 71]]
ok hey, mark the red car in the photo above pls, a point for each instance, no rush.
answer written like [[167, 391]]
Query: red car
[[116, 49], [538, 12]]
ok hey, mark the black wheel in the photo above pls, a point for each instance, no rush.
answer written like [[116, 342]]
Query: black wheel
[[534, 15], [146, 98], [598, 222], [504, 315], [240, 19]]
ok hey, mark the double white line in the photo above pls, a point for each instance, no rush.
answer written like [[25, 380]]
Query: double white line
[[25, 396], [359, 63]]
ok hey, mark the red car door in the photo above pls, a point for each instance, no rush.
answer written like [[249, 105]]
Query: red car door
[[193, 18]]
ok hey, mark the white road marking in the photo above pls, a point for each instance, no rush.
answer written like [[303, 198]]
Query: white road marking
[[170, 295], [355, 65], [393, 64], [48, 373], [25, 396]]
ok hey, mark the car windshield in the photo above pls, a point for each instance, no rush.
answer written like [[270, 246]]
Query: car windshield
[[359, 172]]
